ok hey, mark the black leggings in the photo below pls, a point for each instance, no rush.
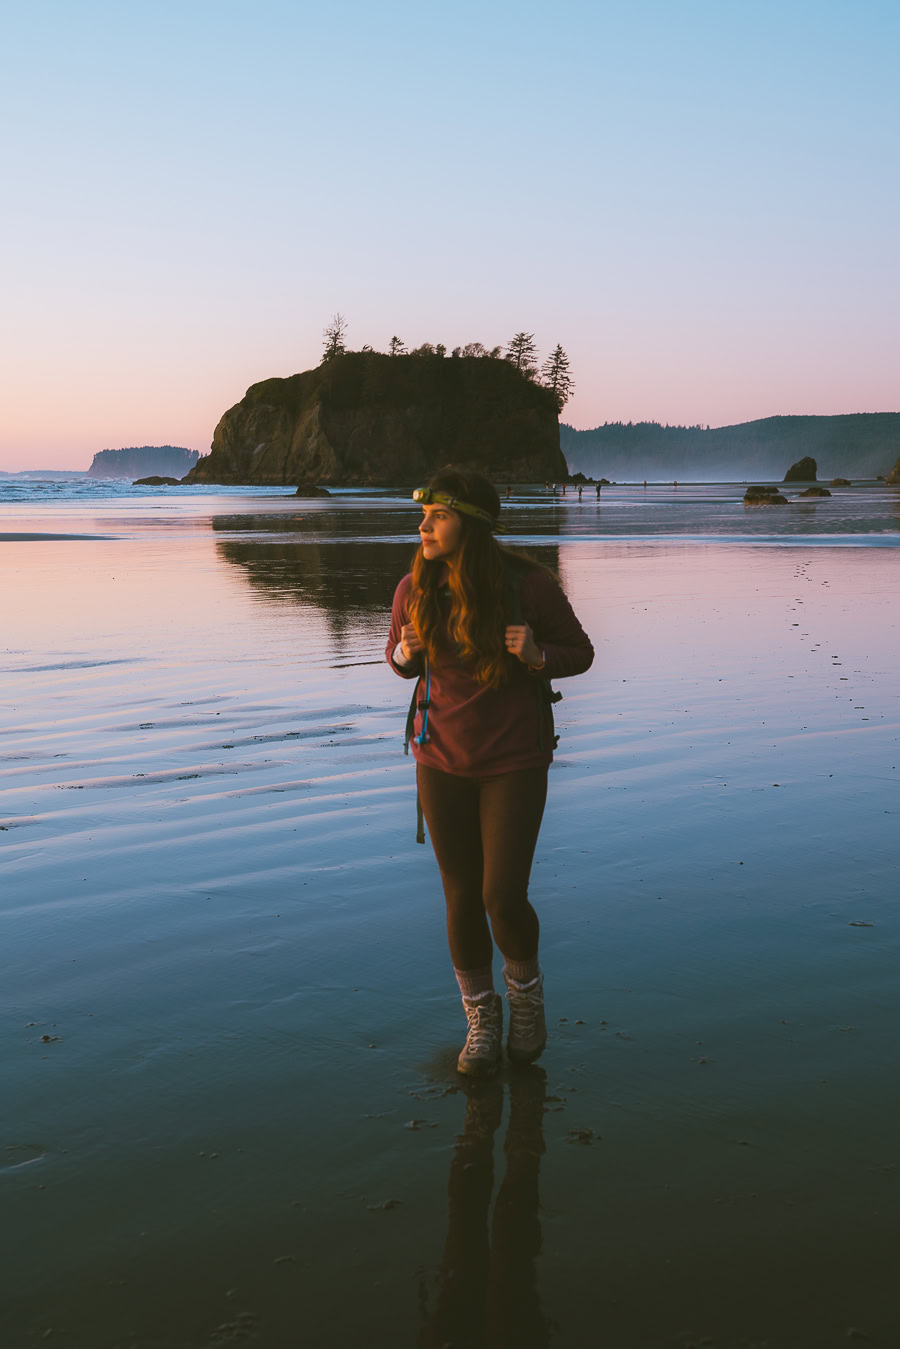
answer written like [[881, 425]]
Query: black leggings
[[484, 831]]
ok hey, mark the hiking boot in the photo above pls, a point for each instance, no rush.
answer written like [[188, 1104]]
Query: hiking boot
[[480, 1055], [527, 1027]]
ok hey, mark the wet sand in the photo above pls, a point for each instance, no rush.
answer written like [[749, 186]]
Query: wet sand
[[40, 538], [230, 1024]]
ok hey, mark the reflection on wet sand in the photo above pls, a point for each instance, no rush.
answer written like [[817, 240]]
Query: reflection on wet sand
[[486, 1287], [346, 581], [347, 578]]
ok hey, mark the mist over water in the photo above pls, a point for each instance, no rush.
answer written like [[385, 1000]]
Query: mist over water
[[232, 1112]]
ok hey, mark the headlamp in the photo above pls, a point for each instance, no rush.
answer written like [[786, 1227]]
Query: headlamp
[[426, 497]]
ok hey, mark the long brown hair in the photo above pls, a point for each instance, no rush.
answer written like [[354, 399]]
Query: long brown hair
[[477, 581]]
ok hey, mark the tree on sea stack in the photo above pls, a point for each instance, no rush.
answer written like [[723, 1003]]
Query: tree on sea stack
[[556, 375], [334, 337], [523, 354], [397, 348]]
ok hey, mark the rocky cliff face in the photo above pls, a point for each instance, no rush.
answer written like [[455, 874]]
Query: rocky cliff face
[[894, 476], [366, 419]]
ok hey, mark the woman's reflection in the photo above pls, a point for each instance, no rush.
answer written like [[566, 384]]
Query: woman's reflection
[[486, 1285]]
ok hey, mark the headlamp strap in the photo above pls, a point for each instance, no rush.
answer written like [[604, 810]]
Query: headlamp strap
[[427, 497]]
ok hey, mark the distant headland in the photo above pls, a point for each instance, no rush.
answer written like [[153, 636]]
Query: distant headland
[[142, 460], [858, 445]]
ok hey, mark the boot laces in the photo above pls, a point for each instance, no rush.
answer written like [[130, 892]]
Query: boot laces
[[483, 1028], [524, 1009]]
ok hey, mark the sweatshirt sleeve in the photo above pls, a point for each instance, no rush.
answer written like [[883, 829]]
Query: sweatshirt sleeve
[[399, 616], [566, 646]]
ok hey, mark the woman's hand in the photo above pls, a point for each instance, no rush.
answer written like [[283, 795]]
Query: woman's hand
[[410, 644], [520, 643]]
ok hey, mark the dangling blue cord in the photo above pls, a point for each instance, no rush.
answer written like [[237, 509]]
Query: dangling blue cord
[[423, 737]]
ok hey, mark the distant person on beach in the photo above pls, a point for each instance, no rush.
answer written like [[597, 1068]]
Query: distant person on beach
[[599, 485], [483, 629], [580, 490]]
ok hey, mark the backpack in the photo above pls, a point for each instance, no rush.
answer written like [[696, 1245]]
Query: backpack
[[546, 695]]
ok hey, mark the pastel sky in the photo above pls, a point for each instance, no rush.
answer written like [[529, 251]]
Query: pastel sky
[[697, 198]]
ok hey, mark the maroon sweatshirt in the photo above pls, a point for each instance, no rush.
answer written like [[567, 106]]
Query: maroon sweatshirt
[[476, 731]]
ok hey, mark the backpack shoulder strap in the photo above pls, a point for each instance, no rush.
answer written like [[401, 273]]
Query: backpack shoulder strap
[[411, 715]]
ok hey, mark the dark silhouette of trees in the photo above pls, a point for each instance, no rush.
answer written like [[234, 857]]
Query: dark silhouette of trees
[[523, 354], [555, 371], [334, 337]]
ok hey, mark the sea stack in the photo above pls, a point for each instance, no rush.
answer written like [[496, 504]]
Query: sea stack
[[367, 419], [803, 471], [764, 496]]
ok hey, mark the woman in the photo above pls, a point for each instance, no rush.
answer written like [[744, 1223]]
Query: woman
[[487, 629]]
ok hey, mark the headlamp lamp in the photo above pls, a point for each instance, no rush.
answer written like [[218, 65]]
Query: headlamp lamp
[[426, 497]]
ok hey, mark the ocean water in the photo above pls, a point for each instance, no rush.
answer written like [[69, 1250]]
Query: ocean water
[[689, 510], [230, 1109]]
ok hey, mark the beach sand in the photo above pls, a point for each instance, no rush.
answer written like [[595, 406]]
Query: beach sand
[[231, 1112]]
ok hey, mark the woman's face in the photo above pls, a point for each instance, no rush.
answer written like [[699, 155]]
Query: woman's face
[[439, 531]]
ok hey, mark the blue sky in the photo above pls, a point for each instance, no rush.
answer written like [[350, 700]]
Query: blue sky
[[699, 201]]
